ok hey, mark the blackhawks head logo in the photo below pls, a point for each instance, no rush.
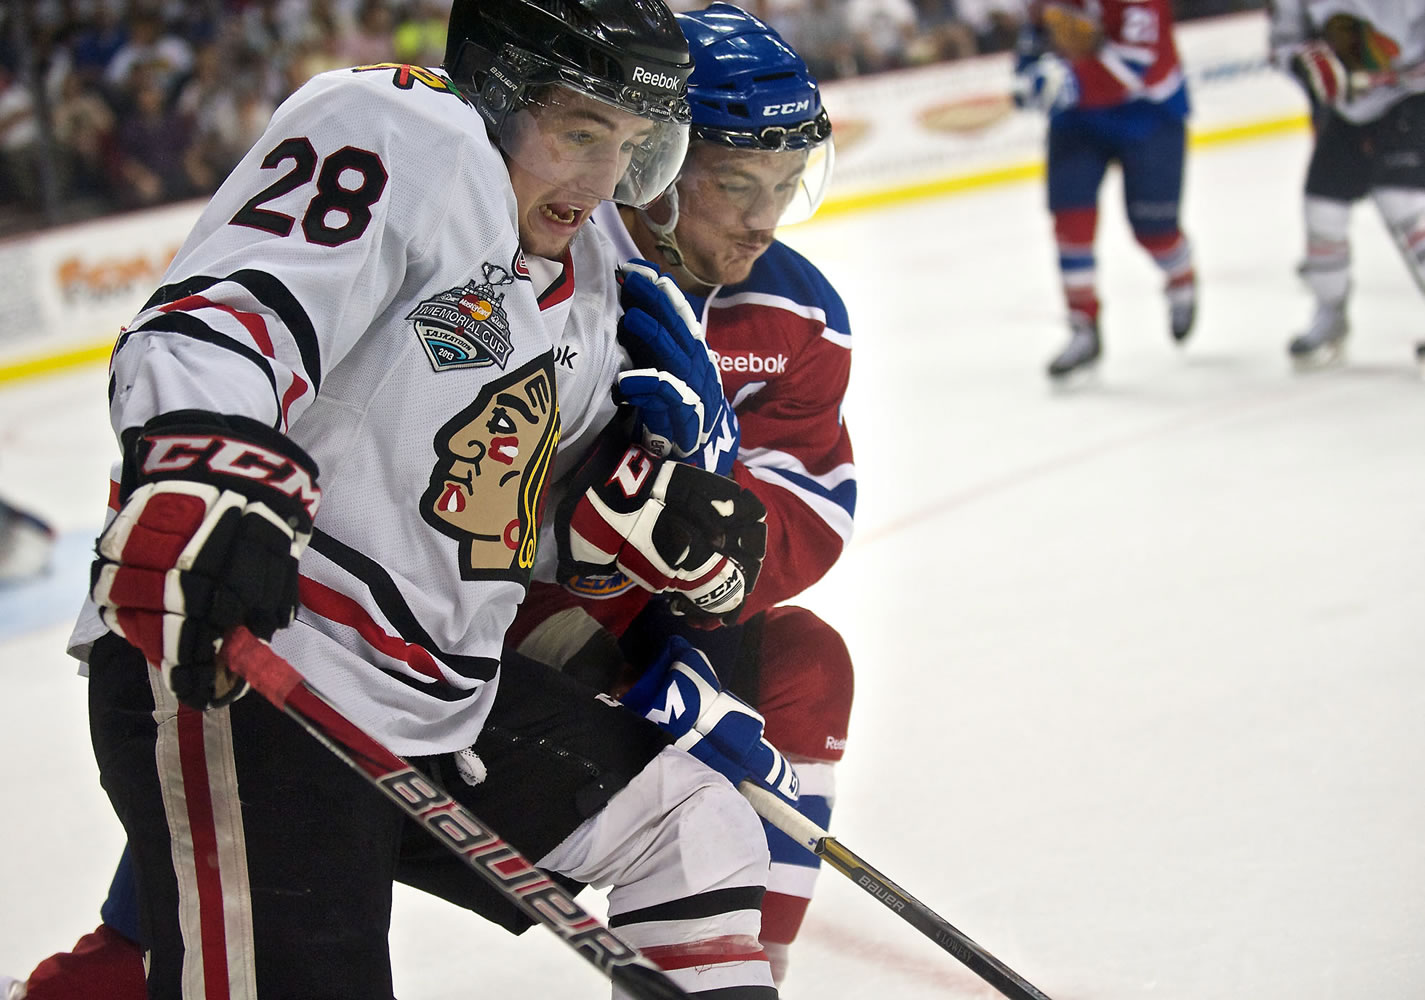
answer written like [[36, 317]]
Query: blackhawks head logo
[[487, 487], [466, 327]]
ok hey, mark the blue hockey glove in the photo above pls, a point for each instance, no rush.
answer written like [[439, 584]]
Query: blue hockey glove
[[674, 383], [1045, 83], [680, 692]]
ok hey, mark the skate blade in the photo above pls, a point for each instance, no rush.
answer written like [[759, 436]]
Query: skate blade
[[1331, 356], [1075, 378]]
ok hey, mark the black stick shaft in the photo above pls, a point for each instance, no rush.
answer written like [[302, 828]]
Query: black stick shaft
[[897, 900]]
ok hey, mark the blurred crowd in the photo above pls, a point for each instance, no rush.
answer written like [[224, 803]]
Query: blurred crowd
[[108, 105]]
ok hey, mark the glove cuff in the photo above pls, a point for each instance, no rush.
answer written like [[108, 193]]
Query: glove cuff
[[224, 450]]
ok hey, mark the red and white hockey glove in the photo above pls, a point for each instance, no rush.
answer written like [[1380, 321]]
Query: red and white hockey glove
[[672, 528], [1321, 71], [216, 513], [680, 692]]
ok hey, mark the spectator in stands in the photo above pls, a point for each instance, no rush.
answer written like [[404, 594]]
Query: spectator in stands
[[420, 37], [941, 35], [152, 149], [97, 38], [881, 32], [164, 57], [20, 151], [225, 108], [83, 133], [371, 42], [996, 23], [822, 34]]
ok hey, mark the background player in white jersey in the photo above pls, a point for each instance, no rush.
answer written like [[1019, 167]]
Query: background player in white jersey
[[385, 276], [1107, 74], [1363, 65], [761, 154]]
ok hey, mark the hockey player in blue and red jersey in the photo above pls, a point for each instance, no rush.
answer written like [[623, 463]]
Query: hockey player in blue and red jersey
[[760, 154], [1107, 74]]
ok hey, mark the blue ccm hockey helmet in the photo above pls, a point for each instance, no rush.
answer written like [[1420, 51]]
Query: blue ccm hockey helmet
[[750, 90]]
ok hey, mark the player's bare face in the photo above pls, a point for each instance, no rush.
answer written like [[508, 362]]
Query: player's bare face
[[729, 201], [568, 156]]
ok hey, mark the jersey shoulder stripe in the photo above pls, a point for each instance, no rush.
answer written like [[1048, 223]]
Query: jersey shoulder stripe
[[786, 274], [271, 293]]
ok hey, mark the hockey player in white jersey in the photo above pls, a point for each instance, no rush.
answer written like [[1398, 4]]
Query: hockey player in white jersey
[[1363, 65], [337, 418]]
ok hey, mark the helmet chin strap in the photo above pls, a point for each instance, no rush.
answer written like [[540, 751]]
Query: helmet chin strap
[[666, 240]]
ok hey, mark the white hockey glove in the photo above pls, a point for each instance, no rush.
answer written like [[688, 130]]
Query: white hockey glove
[[674, 384], [1045, 83], [681, 694], [216, 513], [672, 528]]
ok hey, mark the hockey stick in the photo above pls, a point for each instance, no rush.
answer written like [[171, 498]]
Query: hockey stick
[[447, 820], [781, 815], [1362, 80]]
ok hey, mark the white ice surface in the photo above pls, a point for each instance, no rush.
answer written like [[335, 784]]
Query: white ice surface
[[1140, 683]]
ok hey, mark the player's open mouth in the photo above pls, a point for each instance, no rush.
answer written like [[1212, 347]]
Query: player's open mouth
[[566, 215]]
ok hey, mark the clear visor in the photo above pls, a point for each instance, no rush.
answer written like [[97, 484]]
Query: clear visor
[[590, 148], [811, 186], [756, 189]]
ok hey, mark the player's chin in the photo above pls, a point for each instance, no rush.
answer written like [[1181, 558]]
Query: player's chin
[[735, 267]]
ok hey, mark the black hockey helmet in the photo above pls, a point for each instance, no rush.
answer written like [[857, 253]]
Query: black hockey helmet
[[628, 54]]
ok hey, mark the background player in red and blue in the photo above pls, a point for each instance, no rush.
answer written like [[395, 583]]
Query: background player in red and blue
[[760, 155], [1107, 74]]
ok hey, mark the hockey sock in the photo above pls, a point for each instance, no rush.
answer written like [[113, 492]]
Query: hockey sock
[[1074, 235], [1403, 210], [1326, 269], [794, 870], [1172, 253]]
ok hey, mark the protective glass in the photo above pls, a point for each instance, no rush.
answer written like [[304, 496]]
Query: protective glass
[[590, 146]]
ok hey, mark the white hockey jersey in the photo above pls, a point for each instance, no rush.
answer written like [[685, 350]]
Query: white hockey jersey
[[357, 283], [1395, 40]]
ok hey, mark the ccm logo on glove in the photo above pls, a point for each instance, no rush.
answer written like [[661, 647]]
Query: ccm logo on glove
[[224, 456]]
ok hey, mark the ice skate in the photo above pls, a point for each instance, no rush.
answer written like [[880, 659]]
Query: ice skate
[[11, 989], [25, 544], [1182, 310], [1082, 351], [1420, 356], [1323, 343]]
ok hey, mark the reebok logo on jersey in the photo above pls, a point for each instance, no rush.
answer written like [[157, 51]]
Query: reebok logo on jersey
[[752, 363], [832, 743], [653, 79], [466, 327], [565, 356]]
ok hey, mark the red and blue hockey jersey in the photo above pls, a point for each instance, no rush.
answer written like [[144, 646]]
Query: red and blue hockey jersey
[[1136, 59], [783, 344]]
